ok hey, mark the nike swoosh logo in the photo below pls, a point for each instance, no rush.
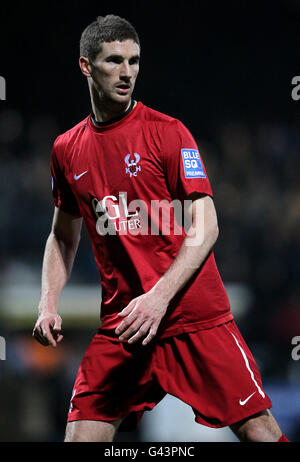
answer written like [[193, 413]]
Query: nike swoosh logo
[[242, 403], [76, 177]]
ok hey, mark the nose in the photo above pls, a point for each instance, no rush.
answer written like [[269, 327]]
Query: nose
[[125, 71]]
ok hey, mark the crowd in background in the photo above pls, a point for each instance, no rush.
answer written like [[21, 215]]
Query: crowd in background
[[253, 171], [224, 69]]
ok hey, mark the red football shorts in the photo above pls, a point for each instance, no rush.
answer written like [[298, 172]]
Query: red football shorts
[[211, 370]]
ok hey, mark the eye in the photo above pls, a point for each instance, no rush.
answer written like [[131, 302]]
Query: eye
[[114, 59], [134, 60]]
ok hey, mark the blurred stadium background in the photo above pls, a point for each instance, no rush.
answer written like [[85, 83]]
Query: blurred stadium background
[[226, 72]]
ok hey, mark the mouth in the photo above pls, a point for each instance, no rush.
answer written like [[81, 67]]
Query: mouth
[[123, 88]]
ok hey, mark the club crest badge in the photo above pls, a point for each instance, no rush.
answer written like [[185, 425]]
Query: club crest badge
[[132, 164]]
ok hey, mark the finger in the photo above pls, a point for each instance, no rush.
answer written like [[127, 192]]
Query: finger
[[126, 323], [131, 330], [39, 337], [55, 332], [46, 331], [143, 330], [57, 324], [127, 310], [59, 338], [151, 335], [36, 330]]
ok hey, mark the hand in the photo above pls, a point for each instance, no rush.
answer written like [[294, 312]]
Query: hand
[[142, 318], [47, 329]]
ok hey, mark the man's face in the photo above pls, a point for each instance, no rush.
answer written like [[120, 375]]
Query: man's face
[[115, 69]]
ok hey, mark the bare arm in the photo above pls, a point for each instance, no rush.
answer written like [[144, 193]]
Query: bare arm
[[143, 314], [199, 241], [59, 255]]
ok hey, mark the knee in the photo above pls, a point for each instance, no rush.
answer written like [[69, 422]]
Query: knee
[[261, 427], [90, 431], [74, 433], [251, 430]]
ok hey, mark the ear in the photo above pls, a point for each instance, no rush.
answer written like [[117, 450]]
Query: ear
[[84, 65]]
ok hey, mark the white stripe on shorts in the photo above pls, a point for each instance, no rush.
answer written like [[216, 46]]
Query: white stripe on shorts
[[248, 366]]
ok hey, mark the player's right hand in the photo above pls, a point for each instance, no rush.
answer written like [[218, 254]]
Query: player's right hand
[[47, 329]]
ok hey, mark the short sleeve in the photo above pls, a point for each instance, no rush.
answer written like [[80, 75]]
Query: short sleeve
[[62, 194], [183, 166]]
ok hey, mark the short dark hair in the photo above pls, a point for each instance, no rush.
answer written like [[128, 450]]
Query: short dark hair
[[105, 29]]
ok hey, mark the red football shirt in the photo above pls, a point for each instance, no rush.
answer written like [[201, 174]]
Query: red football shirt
[[121, 178]]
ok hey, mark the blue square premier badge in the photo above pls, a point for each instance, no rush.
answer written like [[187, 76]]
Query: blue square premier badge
[[192, 163]]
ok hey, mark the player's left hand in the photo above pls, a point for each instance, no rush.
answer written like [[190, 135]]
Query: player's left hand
[[142, 318]]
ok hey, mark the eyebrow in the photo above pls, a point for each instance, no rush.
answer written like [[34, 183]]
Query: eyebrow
[[136, 57]]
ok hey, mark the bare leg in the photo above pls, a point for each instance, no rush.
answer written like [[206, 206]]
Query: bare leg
[[91, 431], [261, 427]]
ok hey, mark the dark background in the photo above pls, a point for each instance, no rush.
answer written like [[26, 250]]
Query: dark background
[[225, 70]]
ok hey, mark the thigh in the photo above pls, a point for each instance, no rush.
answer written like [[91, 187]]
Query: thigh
[[114, 382], [91, 431], [214, 372]]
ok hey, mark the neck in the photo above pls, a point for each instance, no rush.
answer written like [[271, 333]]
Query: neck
[[105, 110]]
